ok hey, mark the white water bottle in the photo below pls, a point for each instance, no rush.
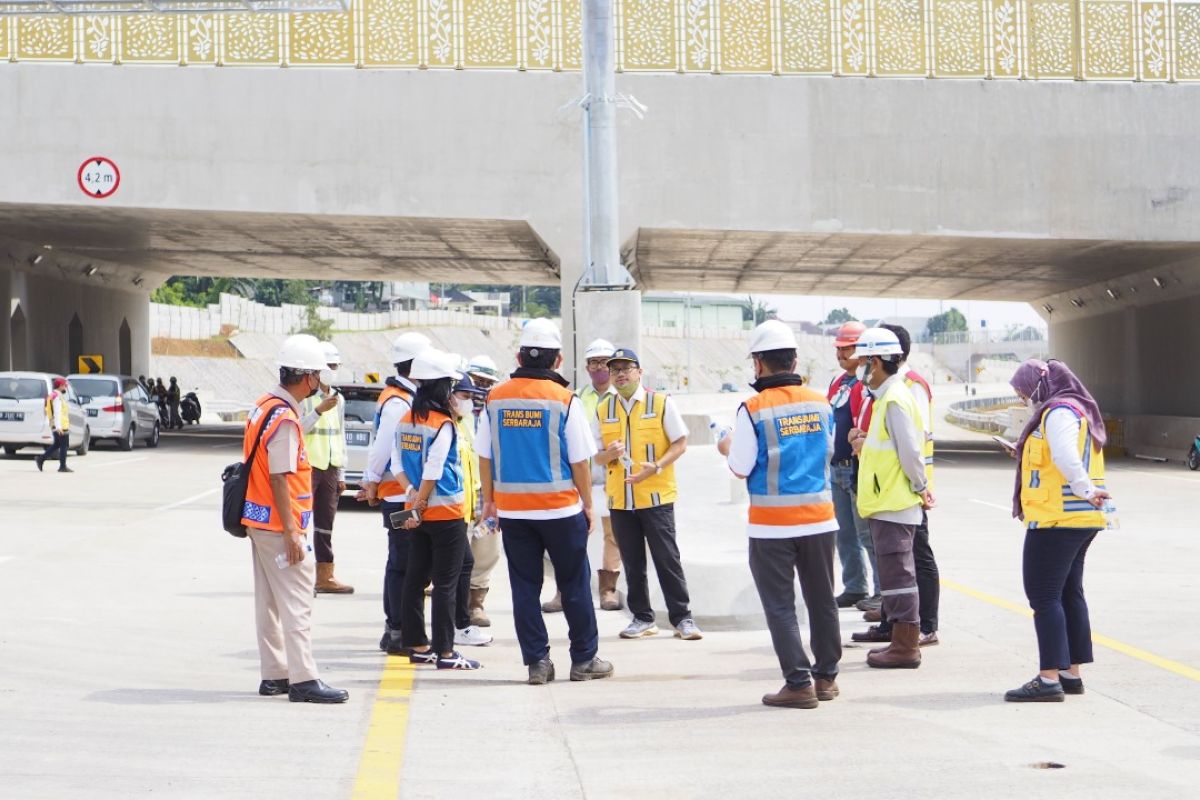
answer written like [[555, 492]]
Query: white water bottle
[[719, 432], [1111, 521]]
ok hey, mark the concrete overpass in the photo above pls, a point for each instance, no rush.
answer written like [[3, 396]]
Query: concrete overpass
[[1080, 197]]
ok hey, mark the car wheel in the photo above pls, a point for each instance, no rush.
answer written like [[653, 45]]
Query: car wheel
[[86, 444], [126, 442], [12, 451], [153, 440]]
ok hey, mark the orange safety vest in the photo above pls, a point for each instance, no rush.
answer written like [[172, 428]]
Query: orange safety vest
[[388, 485], [446, 501], [259, 512], [530, 468]]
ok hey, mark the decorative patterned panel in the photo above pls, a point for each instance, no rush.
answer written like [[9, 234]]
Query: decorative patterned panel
[[1006, 39], [390, 33], [252, 39], [1051, 39], [899, 37], [1153, 19], [1187, 41], [439, 33], [649, 33], [1108, 39], [853, 39], [490, 33], [46, 38], [539, 39], [321, 38], [4, 37], [959, 33], [98, 40], [150, 37], [697, 29], [201, 35], [745, 35], [805, 35], [572, 34]]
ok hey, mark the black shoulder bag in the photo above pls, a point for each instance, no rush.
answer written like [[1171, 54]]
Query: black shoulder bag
[[236, 479]]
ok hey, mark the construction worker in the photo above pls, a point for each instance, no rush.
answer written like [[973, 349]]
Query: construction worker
[[640, 436], [484, 373], [893, 490], [846, 397], [58, 415], [380, 486], [781, 444], [324, 426], [596, 357], [485, 540], [468, 607], [535, 453], [277, 513]]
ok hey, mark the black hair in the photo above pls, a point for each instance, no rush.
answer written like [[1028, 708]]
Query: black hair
[[544, 358], [902, 335], [290, 377], [889, 366], [783, 360], [403, 368], [432, 395]]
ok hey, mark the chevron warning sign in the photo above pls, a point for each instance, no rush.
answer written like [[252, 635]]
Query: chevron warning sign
[[91, 365]]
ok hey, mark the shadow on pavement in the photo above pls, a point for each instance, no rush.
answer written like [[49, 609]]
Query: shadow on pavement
[[163, 697]]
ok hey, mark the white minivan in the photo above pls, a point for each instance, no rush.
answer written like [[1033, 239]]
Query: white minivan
[[118, 409], [23, 420]]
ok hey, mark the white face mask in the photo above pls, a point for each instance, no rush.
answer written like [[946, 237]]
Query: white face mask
[[861, 372], [464, 406], [327, 377]]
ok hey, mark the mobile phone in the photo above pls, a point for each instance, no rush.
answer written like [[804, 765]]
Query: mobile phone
[[1005, 443], [398, 518]]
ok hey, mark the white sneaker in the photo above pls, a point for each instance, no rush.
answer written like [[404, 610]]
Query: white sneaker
[[471, 636], [638, 629], [688, 630]]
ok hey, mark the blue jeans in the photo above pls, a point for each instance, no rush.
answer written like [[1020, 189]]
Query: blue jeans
[[853, 533], [565, 541]]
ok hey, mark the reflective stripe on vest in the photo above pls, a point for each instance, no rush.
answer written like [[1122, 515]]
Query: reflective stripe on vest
[[326, 442], [388, 485], [530, 470], [259, 510], [643, 430], [789, 484], [414, 439], [911, 378], [882, 484], [1047, 500]]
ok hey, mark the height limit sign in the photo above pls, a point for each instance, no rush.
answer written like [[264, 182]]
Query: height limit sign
[[99, 177]]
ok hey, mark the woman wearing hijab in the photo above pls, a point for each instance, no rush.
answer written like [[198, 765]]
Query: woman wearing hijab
[[1060, 496]]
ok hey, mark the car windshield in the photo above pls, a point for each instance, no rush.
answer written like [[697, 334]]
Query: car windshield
[[360, 403], [88, 388], [22, 389]]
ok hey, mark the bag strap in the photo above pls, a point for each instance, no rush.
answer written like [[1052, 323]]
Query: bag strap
[[261, 431]]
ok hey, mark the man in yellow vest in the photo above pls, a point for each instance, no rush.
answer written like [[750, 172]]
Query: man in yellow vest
[[640, 435], [60, 426], [893, 491], [324, 426]]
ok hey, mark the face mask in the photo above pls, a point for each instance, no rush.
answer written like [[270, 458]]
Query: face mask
[[464, 406], [599, 377], [313, 390], [327, 376]]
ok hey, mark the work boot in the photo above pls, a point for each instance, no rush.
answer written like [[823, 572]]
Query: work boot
[[848, 599], [554, 605], [591, 670], [316, 692], [609, 599], [273, 686], [827, 688], [872, 602], [872, 634], [479, 617], [873, 615], [327, 584], [541, 672], [792, 697], [903, 653]]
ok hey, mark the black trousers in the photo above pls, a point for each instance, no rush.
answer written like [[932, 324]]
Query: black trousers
[[1052, 568], [397, 565], [929, 581], [653, 528], [435, 551], [59, 445], [325, 503]]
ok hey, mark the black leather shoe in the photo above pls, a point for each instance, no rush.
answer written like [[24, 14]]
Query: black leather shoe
[[41, 462], [541, 672], [1070, 685], [271, 688], [848, 599], [65, 469], [316, 692], [1036, 691]]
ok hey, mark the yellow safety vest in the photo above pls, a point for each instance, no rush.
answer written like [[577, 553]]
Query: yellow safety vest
[[470, 466], [882, 484], [927, 450], [64, 417], [326, 442], [644, 433], [1046, 497]]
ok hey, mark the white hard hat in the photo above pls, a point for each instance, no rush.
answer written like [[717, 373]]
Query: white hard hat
[[600, 348], [483, 365], [332, 356], [431, 364], [302, 351], [772, 335], [541, 333], [878, 342], [407, 345]]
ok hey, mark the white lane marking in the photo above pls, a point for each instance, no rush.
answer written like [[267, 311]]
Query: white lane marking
[[990, 505], [116, 462], [187, 500]]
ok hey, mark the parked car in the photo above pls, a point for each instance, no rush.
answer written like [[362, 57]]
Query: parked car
[[23, 420], [118, 409], [361, 403]]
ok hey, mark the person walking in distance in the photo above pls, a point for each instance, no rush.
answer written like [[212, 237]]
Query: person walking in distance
[[277, 513], [641, 435], [174, 395], [59, 418], [1061, 497], [535, 453], [324, 425], [893, 491], [781, 445]]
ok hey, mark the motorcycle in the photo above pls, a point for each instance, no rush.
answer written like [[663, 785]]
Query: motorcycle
[[1193, 457], [189, 408]]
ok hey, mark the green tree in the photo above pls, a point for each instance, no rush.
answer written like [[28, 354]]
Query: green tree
[[316, 325], [946, 322], [838, 316], [758, 310]]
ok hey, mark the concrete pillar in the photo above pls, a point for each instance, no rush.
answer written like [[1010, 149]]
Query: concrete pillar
[[614, 315], [5, 317]]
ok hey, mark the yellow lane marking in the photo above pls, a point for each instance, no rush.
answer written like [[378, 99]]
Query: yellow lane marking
[[1183, 670], [383, 750]]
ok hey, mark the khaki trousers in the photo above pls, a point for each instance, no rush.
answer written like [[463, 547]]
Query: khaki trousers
[[486, 550], [282, 610]]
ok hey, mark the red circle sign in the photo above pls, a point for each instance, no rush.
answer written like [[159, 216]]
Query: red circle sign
[[98, 177]]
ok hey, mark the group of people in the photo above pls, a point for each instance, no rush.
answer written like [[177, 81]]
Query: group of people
[[463, 459], [168, 398]]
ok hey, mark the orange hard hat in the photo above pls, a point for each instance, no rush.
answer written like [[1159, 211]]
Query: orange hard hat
[[848, 334]]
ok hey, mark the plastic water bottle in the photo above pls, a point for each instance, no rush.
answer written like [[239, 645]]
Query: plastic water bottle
[[1111, 521], [719, 432]]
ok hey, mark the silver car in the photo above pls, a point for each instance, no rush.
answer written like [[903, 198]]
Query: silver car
[[118, 409], [23, 418], [361, 404]]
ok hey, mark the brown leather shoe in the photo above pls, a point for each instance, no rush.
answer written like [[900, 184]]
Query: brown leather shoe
[[871, 634], [928, 639], [792, 697], [327, 584], [609, 599], [475, 610], [827, 688], [903, 653], [873, 615], [553, 605]]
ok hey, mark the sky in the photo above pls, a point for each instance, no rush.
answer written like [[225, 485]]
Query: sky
[[997, 315]]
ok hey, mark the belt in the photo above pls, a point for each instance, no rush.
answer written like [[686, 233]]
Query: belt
[[845, 462]]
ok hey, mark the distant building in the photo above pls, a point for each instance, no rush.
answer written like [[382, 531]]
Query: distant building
[[682, 310]]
